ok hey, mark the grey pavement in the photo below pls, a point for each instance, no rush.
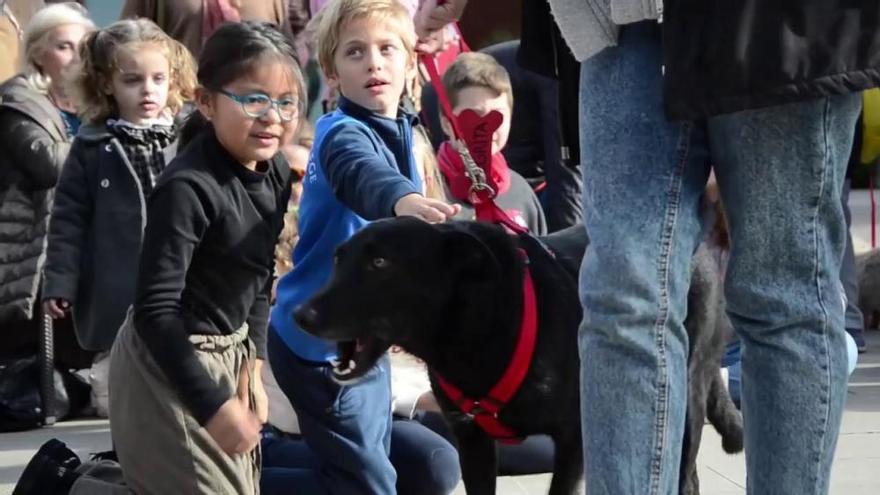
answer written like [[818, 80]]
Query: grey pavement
[[856, 468], [860, 205]]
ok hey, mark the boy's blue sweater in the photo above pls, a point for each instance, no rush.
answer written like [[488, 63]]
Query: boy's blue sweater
[[361, 164]]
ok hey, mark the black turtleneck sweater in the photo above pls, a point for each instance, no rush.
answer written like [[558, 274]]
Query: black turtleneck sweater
[[206, 262]]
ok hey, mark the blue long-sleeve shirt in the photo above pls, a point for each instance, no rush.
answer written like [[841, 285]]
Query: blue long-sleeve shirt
[[360, 166]]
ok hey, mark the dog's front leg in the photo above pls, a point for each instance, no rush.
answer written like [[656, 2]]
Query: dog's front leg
[[477, 455], [568, 465]]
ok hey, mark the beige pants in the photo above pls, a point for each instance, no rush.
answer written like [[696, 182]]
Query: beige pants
[[161, 447], [99, 379]]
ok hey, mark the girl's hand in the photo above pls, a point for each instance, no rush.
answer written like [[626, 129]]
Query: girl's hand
[[235, 429], [261, 400], [56, 308], [429, 210]]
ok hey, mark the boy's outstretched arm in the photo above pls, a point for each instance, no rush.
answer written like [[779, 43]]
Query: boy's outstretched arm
[[364, 181]]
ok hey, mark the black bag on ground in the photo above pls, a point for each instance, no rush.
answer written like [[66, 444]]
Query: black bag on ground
[[21, 405]]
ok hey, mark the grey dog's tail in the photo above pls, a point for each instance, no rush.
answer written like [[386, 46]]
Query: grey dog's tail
[[724, 416]]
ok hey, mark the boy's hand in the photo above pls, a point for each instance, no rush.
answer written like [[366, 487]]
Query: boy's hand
[[235, 429], [56, 308], [429, 210]]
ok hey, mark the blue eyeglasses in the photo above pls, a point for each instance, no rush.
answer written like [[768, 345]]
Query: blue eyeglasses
[[257, 105]]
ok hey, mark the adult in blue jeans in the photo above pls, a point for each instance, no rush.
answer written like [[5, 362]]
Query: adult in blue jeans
[[761, 91]]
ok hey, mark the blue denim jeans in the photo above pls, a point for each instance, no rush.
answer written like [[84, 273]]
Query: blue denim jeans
[[347, 427], [425, 462], [780, 172]]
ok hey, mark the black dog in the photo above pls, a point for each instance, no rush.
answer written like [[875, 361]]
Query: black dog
[[451, 294]]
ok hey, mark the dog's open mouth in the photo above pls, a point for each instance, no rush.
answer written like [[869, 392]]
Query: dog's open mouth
[[355, 357]]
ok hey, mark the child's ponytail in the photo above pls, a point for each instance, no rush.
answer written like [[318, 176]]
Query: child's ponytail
[[87, 86], [183, 76], [194, 124]]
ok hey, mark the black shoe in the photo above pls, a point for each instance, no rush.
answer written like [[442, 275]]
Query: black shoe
[[51, 471], [57, 450], [107, 455]]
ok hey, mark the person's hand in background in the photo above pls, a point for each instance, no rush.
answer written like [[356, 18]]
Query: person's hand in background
[[431, 18]]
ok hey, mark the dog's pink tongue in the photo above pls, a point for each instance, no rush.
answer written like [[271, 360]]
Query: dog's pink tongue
[[358, 346]]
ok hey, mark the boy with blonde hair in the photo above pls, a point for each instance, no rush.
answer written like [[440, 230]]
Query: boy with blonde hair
[[476, 81], [361, 168]]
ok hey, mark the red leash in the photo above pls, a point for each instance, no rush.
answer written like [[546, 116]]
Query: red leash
[[482, 196], [485, 410]]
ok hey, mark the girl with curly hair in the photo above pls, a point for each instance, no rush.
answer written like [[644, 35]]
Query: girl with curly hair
[[131, 81]]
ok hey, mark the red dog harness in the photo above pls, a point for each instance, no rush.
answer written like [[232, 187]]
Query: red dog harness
[[485, 410], [473, 135]]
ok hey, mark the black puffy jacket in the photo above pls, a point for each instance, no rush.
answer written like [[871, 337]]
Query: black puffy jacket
[[33, 146], [725, 56]]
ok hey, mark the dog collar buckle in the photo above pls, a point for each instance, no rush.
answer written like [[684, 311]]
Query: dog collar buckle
[[479, 410]]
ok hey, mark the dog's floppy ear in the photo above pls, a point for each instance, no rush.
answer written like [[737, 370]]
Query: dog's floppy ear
[[465, 252]]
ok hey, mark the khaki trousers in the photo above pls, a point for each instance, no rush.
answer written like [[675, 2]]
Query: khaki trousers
[[161, 447]]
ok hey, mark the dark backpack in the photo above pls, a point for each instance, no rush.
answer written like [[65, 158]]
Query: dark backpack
[[21, 403]]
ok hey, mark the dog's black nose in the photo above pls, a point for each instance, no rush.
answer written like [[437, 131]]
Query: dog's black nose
[[306, 316]]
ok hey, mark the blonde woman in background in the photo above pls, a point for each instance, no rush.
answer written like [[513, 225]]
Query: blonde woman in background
[[38, 122]]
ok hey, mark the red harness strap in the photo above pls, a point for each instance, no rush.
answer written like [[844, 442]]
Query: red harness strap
[[485, 410], [482, 198]]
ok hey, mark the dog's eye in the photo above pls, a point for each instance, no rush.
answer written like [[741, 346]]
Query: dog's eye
[[380, 262]]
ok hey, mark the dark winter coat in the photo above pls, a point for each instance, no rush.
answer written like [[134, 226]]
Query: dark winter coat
[[723, 57], [95, 236], [33, 147]]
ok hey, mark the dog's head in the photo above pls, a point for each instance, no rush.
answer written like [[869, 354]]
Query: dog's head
[[394, 282]]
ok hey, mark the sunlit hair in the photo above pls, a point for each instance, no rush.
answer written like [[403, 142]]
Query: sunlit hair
[[475, 69], [36, 37], [99, 59], [330, 22], [305, 133], [428, 167]]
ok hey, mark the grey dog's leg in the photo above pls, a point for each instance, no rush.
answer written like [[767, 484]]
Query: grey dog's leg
[[724, 416]]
